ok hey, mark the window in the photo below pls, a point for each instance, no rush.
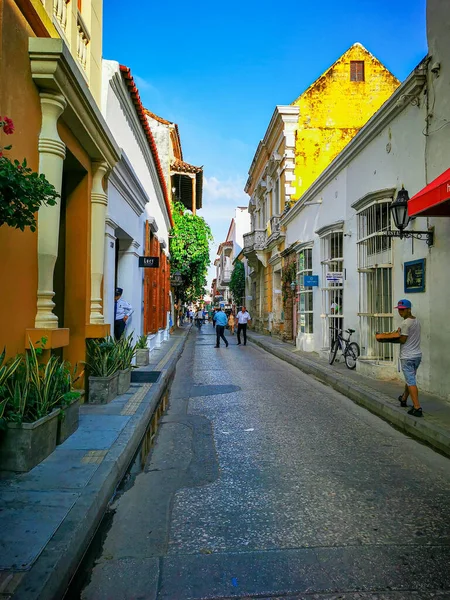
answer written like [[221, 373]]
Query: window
[[356, 70], [305, 304], [276, 198], [375, 279], [332, 292]]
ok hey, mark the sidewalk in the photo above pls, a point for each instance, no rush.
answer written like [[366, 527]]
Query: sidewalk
[[380, 397], [49, 515]]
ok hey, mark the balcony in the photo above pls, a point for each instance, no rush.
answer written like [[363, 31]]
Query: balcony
[[225, 276], [255, 240], [275, 232], [83, 40]]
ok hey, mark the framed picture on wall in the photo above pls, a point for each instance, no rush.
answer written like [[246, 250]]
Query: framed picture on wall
[[415, 276]]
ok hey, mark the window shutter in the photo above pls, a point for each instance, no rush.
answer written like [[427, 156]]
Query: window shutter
[[356, 70]]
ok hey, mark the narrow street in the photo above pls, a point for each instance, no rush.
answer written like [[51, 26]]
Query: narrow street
[[264, 483]]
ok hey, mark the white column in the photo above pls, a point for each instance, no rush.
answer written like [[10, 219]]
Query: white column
[[99, 202], [52, 153], [109, 271], [129, 278]]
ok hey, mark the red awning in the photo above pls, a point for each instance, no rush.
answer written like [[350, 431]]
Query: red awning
[[433, 200]]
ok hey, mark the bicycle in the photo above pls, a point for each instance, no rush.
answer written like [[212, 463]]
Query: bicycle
[[350, 350]]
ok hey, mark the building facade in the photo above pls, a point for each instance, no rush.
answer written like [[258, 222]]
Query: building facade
[[139, 215], [300, 142], [51, 89]]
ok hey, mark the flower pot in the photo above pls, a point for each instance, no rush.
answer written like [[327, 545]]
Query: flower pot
[[68, 420], [142, 357], [124, 381], [103, 389], [25, 445]]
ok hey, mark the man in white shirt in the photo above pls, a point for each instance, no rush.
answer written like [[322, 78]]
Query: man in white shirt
[[410, 355], [122, 312], [242, 318]]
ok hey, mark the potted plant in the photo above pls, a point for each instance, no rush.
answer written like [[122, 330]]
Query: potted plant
[[142, 352], [103, 363], [32, 394], [126, 351], [69, 415]]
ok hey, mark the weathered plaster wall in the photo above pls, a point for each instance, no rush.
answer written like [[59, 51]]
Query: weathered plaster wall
[[332, 111]]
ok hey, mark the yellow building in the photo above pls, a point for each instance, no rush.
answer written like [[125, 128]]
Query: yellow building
[[300, 142], [334, 108], [51, 52]]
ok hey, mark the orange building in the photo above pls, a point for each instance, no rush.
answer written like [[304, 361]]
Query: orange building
[[51, 88]]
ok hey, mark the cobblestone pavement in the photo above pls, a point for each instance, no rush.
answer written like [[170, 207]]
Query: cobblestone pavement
[[265, 483]]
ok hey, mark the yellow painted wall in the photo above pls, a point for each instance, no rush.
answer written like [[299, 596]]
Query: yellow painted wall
[[333, 109]]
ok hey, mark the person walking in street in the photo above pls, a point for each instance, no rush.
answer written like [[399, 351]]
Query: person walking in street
[[199, 318], [231, 323], [408, 335], [243, 318], [122, 312], [221, 321], [214, 317]]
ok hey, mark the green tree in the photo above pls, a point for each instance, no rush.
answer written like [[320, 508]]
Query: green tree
[[237, 283], [189, 252]]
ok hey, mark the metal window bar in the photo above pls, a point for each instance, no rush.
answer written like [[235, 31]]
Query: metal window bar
[[375, 279], [305, 293], [332, 292]]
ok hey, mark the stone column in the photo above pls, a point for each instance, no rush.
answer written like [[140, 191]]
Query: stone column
[[109, 270], [99, 202], [52, 153]]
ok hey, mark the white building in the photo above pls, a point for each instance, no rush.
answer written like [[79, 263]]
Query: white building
[[138, 205], [338, 232]]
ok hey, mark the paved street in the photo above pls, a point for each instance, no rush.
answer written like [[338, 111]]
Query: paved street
[[265, 483]]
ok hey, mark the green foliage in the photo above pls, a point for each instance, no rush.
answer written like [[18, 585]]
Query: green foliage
[[289, 275], [237, 283], [103, 358], [141, 343], [22, 193], [189, 251], [31, 389], [126, 351]]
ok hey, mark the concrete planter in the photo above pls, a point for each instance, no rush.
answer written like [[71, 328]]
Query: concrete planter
[[103, 389], [68, 421], [124, 381], [25, 445], [142, 357]]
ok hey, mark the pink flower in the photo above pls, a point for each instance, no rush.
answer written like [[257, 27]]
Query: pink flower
[[8, 126]]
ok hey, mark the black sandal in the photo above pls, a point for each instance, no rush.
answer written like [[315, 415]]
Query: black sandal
[[402, 402]]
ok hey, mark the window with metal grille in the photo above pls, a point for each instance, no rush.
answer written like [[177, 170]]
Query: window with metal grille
[[305, 293], [375, 279], [332, 292], [356, 70]]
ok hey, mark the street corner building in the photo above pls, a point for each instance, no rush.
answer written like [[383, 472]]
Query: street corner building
[[302, 139]]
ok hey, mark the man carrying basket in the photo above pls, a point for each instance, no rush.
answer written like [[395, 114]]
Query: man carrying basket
[[408, 335]]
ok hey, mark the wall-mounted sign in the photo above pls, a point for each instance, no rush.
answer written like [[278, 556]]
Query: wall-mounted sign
[[277, 291], [249, 297], [151, 262], [415, 276], [311, 280], [335, 277]]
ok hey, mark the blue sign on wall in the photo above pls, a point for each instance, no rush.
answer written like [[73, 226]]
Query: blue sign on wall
[[311, 280]]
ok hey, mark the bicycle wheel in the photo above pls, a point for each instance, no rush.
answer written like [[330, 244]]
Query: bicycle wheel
[[351, 355], [333, 351]]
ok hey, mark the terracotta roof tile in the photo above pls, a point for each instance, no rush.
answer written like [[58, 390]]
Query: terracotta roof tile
[[184, 167], [133, 91], [159, 119]]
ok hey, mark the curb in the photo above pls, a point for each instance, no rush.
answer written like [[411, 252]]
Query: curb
[[376, 402], [50, 575]]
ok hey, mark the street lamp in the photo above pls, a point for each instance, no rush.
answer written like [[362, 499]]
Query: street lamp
[[293, 285], [176, 279], [399, 212]]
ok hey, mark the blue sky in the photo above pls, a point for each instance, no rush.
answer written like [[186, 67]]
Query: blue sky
[[219, 69]]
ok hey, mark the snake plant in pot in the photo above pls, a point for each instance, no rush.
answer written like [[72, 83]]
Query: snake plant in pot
[[126, 351], [33, 395], [103, 364], [142, 352]]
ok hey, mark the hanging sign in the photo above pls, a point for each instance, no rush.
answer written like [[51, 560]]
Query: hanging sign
[[311, 280], [335, 277], [151, 262]]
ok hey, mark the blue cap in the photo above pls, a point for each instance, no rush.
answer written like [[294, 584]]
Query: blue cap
[[403, 304]]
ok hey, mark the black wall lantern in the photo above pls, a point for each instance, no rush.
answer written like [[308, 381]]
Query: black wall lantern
[[399, 211]]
